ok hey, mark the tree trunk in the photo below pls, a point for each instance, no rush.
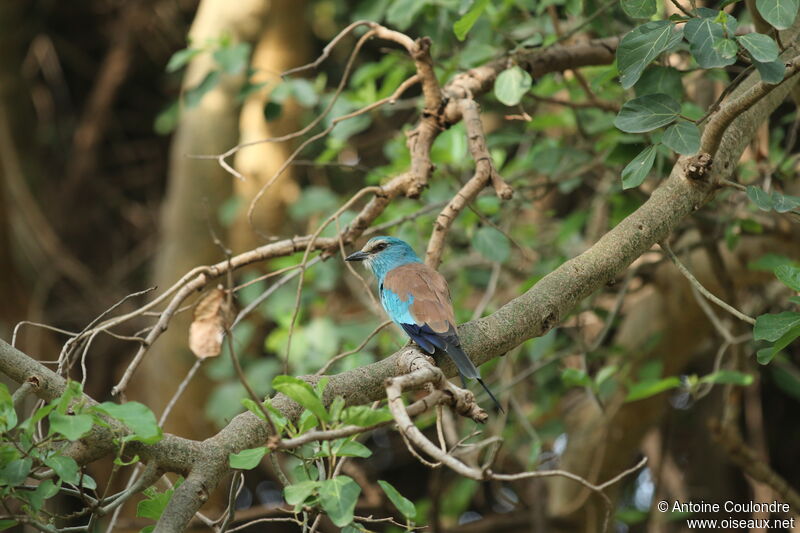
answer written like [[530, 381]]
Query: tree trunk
[[196, 188]]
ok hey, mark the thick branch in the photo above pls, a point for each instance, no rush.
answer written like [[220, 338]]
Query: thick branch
[[174, 454], [537, 62]]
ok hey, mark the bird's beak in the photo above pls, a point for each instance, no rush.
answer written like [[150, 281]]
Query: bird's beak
[[357, 256]]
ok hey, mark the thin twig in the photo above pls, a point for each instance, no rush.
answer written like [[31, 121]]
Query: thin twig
[[705, 292], [357, 349]]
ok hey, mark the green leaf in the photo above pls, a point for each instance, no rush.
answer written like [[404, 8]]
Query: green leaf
[[314, 200], [462, 26], [87, 482], [338, 497], [765, 355], [247, 459], [776, 201], [491, 244], [772, 327], [783, 203], [47, 489], [762, 47], [302, 393], [647, 113], [72, 391], [307, 421], [727, 48], [639, 9], [682, 137], [44, 491], [167, 119], [137, 416], [5, 524], [401, 13], [180, 58], [353, 448], [249, 88], [233, 59], [636, 171], [779, 13], [604, 374], [40, 413], [72, 427], [641, 46], [511, 85], [65, 467], [789, 276], [319, 388], [787, 378], [403, 504], [297, 493], [772, 72], [306, 94], [15, 472], [769, 262], [760, 197], [8, 415], [703, 34], [362, 415], [651, 387], [658, 79], [193, 96], [572, 377], [154, 505], [728, 377], [280, 420], [252, 406], [336, 407]]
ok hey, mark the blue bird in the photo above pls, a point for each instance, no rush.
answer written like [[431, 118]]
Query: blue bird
[[417, 299]]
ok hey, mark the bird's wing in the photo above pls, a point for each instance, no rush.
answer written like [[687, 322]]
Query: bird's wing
[[425, 295], [418, 299]]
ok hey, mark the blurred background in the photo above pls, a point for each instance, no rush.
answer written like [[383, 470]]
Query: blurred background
[[103, 103]]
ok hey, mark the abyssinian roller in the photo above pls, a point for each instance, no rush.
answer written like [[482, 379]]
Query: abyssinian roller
[[417, 298]]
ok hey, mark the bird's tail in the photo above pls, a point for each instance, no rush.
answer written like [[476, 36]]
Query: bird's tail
[[466, 368], [499, 407]]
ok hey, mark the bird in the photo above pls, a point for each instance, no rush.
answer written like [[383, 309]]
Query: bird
[[417, 298]]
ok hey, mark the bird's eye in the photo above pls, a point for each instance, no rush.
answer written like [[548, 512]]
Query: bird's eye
[[379, 247]]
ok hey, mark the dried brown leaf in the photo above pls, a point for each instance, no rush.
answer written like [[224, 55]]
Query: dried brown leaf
[[211, 316]]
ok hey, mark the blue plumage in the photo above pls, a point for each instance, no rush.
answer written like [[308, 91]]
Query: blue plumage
[[417, 298]]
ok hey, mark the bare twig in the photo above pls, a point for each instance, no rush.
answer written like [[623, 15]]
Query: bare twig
[[485, 173], [357, 349], [605, 105], [705, 292]]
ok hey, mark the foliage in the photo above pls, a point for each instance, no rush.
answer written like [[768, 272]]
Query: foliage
[[39, 444]]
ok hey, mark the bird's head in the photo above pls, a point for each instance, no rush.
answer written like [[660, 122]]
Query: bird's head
[[382, 254]]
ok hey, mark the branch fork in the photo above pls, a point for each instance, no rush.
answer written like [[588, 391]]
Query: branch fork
[[421, 371]]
